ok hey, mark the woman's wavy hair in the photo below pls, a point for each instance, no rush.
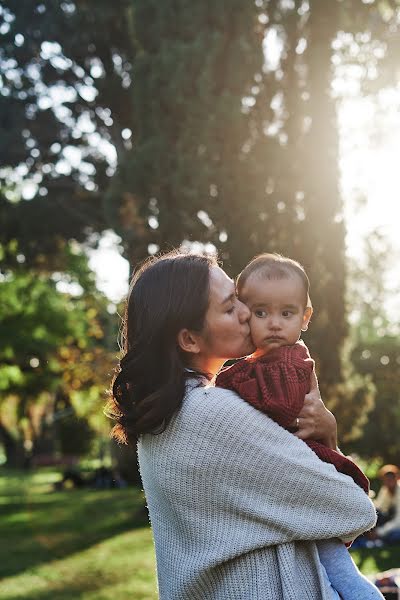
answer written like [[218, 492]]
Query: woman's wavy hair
[[167, 293]]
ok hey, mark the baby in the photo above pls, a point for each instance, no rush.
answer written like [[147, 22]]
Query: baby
[[276, 377]]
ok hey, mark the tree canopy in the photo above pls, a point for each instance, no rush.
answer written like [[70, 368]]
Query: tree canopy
[[55, 356]]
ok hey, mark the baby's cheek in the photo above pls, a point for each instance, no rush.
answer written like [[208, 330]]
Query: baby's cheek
[[252, 323], [255, 329]]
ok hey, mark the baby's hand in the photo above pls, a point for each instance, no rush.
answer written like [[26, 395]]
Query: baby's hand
[[315, 421]]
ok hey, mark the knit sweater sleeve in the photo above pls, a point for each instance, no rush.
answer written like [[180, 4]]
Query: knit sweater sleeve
[[275, 383], [236, 473]]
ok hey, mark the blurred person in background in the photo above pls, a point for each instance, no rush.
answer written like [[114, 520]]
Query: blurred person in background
[[387, 504]]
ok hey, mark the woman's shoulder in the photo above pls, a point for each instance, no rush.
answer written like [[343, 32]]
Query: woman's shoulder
[[212, 399], [213, 417], [217, 406], [209, 417]]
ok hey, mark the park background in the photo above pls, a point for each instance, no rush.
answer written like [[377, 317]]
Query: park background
[[134, 126]]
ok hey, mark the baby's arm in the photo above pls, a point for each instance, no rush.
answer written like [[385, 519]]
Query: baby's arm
[[275, 383]]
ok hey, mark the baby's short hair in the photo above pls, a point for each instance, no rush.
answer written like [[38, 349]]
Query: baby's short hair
[[274, 266]]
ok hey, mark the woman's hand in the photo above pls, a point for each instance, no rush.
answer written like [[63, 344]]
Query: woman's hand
[[315, 421]]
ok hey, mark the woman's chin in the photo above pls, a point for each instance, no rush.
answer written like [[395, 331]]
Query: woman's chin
[[247, 349]]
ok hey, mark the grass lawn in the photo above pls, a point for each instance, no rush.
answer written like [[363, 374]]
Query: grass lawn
[[72, 544], [88, 544], [376, 560]]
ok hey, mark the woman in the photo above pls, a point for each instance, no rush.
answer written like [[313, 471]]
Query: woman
[[235, 501]]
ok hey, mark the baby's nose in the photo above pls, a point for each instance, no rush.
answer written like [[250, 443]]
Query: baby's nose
[[274, 323]]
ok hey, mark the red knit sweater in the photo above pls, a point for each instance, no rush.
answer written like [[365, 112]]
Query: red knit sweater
[[276, 384]]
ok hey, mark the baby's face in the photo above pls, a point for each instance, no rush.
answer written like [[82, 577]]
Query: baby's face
[[278, 311]]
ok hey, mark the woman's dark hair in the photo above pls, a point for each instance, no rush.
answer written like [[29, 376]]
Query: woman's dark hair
[[167, 293]]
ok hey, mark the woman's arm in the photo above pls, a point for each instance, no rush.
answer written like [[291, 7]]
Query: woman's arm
[[316, 422], [242, 463]]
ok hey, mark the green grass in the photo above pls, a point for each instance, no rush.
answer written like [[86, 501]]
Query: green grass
[[376, 560], [76, 544], [88, 544]]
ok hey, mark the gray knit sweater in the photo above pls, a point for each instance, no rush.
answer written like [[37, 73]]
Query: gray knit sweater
[[236, 501]]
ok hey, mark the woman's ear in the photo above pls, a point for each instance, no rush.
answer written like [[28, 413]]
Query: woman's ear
[[187, 341], [306, 318]]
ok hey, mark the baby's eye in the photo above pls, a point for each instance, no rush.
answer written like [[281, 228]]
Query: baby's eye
[[286, 313], [260, 314]]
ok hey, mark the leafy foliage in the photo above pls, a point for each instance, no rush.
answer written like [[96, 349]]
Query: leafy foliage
[[54, 358], [64, 94], [381, 359], [376, 351]]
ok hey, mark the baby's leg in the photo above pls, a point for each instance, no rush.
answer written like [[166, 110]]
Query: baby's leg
[[343, 573]]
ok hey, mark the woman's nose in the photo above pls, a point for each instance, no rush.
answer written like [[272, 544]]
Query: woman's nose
[[244, 312]]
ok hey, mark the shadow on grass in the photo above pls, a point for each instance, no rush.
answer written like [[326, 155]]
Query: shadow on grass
[[64, 593], [42, 527]]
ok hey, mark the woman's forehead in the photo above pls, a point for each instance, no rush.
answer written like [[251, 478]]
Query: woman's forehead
[[221, 286]]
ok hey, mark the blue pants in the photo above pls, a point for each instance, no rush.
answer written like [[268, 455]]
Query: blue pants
[[343, 573]]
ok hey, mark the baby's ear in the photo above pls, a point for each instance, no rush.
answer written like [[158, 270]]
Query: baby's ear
[[306, 318]]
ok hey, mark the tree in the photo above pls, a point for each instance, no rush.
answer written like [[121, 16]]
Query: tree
[[380, 359], [376, 354], [229, 152], [64, 95], [375, 351], [54, 356]]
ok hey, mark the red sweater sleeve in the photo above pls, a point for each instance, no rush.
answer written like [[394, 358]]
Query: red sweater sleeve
[[275, 383]]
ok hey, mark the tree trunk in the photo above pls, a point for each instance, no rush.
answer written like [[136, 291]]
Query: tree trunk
[[14, 451], [323, 242]]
